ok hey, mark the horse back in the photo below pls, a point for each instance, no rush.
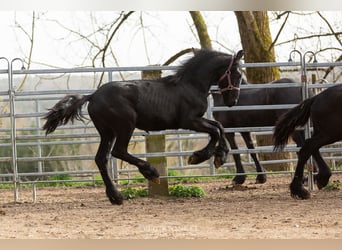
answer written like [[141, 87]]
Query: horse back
[[258, 96]]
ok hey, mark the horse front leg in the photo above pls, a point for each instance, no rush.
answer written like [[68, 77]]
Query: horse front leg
[[261, 178], [215, 130], [241, 177], [221, 151]]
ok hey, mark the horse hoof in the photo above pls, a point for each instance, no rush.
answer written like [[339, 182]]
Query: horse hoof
[[261, 179], [116, 201], [322, 180], [149, 172], [217, 163], [193, 159], [155, 180], [239, 180], [302, 194]]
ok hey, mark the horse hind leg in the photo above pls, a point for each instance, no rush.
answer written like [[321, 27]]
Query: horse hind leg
[[299, 138], [101, 160], [120, 151], [310, 147], [324, 172]]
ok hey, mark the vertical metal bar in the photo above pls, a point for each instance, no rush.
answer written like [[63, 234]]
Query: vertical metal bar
[[14, 128], [11, 93], [113, 162], [210, 116], [39, 146], [110, 76], [180, 150], [307, 126], [12, 121]]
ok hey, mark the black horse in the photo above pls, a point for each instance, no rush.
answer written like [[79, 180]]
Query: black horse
[[172, 102], [325, 112], [257, 118]]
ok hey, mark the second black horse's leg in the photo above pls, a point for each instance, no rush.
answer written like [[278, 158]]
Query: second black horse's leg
[[214, 129], [261, 178], [241, 177]]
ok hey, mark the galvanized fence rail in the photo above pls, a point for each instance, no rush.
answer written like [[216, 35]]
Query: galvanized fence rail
[[21, 122]]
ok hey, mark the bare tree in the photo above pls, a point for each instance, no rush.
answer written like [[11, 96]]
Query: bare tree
[[30, 36], [327, 37]]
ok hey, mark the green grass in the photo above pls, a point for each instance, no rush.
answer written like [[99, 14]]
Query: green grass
[[62, 180], [131, 193], [332, 186], [178, 190], [186, 191], [66, 180]]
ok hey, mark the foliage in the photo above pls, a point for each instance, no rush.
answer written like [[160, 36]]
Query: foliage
[[334, 185], [186, 191], [176, 190], [130, 193]]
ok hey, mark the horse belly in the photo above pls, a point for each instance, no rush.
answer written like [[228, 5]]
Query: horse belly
[[156, 117], [326, 114]]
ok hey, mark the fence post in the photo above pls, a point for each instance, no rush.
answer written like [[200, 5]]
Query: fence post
[[153, 144]]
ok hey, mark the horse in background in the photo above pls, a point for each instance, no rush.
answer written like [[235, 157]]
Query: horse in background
[[257, 118]]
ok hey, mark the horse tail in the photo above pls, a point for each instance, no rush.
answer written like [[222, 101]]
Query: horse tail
[[69, 108], [289, 121]]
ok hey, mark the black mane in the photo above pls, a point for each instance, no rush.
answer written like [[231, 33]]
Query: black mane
[[217, 59]]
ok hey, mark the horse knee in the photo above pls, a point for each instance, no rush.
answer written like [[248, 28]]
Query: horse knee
[[101, 160]]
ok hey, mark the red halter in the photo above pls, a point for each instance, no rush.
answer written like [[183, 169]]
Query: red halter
[[227, 74]]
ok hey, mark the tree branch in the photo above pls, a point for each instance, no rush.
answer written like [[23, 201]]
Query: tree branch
[[201, 28]]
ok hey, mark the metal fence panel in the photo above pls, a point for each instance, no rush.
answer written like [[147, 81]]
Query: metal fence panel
[[29, 156]]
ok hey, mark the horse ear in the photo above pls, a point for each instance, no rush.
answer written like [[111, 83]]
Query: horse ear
[[195, 50], [239, 55]]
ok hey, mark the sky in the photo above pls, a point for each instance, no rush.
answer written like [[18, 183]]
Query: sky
[[168, 32]]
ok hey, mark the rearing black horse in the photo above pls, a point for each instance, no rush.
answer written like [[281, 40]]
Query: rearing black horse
[[172, 102]]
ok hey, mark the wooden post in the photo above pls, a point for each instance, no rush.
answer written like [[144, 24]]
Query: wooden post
[[153, 144]]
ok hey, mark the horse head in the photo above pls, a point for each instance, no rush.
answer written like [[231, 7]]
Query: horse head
[[229, 82]]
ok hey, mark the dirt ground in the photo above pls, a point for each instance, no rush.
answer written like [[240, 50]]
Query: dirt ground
[[250, 212]]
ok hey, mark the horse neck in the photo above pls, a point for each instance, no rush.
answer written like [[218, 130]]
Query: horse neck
[[205, 77], [200, 80], [204, 73]]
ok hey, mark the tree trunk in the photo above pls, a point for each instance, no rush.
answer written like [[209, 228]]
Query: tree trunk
[[153, 144], [201, 28], [257, 43]]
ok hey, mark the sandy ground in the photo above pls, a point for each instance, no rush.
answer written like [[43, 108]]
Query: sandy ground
[[250, 212]]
